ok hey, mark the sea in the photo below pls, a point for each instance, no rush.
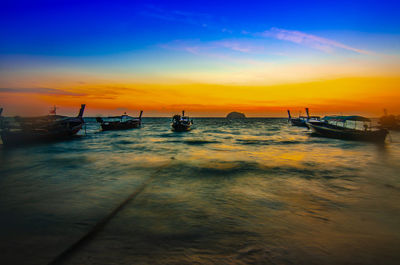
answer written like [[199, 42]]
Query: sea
[[248, 191]]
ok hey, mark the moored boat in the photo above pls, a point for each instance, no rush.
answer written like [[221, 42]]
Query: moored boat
[[338, 127], [41, 129], [181, 123], [311, 118], [123, 122], [301, 121]]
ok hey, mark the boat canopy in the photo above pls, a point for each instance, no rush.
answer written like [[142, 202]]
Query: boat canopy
[[345, 118]]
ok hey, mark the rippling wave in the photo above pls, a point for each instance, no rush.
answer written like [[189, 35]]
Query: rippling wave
[[252, 191]]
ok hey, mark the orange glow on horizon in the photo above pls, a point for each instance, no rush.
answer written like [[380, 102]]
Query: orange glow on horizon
[[356, 95]]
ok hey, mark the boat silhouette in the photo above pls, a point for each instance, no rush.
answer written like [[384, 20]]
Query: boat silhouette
[[40, 129], [123, 122], [181, 123], [337, 127], [301, 121]]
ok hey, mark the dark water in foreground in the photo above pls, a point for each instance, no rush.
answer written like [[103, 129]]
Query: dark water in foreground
[[229, 192]]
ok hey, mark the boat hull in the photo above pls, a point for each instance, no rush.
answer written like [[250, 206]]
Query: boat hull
[[298, 123], [181, 127], [41, 129], [23, 137], [114, 126], [336, 132]]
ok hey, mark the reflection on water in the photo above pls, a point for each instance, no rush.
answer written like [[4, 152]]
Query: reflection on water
[[228, 192]]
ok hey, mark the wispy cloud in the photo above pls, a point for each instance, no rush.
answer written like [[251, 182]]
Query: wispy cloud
[[309, 40], [200, 19], [202, 48], [235, 46], [39, 90], [225, 30]]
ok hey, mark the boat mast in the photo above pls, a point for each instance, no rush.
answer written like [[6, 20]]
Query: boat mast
[[308, 115], [81, 111]]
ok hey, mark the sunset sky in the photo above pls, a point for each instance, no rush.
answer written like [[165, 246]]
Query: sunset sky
[[207, 57]]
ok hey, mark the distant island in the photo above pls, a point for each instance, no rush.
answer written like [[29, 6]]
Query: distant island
[[235, 115]]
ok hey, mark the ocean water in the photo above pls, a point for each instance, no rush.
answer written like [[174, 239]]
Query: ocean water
[[254, 191]]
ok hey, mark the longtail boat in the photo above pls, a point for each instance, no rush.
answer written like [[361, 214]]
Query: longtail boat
[[339, 127], [123, 122], [40, 129], [181, 123], [301, 121]]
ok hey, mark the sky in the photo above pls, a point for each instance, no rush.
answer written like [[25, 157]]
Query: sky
[[207, 57]]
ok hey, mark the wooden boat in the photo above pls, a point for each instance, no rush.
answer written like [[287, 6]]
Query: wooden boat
[[337, 127], [301, 121], [123, 122], [311, 118], [41, 129], [181, 123]]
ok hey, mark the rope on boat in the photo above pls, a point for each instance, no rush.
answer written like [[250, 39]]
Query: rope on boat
[[99, 226]]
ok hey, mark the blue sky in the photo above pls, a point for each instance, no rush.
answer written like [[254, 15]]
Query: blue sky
[[81, 28], [86, 47]]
